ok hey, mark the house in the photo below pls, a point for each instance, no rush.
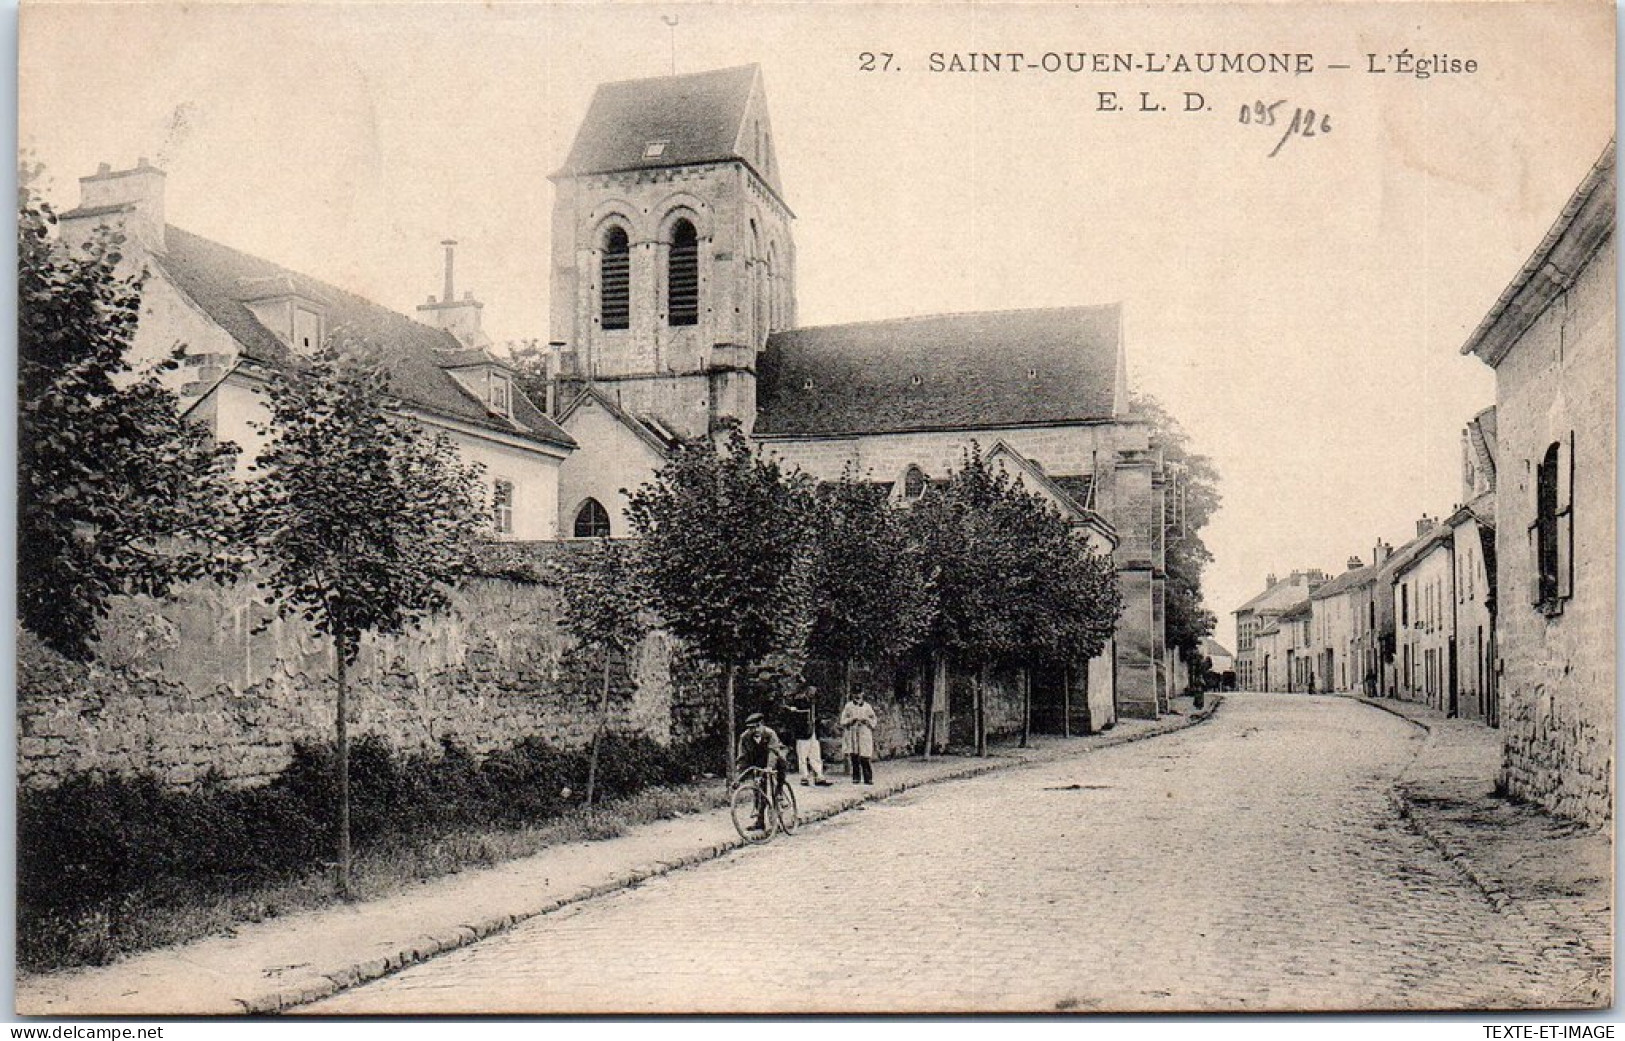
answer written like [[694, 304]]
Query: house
[[1295, 647], [241, 317], [1258, 615], [1220, 661], [674, 313], [1551, 340], [1423, 579], [1472, 531], [1342, 617]]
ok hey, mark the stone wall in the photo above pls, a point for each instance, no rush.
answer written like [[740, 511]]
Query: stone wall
[[1557, 685], [213, 682]]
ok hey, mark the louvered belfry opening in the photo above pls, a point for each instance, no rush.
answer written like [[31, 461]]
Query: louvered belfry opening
[[683, 275], [616, 304]]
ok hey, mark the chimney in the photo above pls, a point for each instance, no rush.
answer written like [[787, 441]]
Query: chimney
[[461, 318], [1269, 583], [1355, 564], [1381, 552], [1425, 525], [131, 201]]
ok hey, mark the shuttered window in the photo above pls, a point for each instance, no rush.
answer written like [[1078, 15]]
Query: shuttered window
[[683, 276], [1552, 533], [502, 507], [616, 281]]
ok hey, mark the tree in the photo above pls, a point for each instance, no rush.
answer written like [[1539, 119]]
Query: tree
[[871, 595], [116, 491], [972, 558], [362, 520], [1195, 499], [725, 545], [604, 610]]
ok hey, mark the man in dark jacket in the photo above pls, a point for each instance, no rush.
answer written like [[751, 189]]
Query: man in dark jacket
[[760, 747], [801, 723]]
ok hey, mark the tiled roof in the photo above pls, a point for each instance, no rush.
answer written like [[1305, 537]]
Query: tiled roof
[[694, 118], [218, 279], [1343, 583], [1276, 598], [1410, 552], [1214, 649], [958, 371], [1297, 612], [650, 431]]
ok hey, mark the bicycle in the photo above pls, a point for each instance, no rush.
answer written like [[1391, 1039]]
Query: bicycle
[[753, 799]]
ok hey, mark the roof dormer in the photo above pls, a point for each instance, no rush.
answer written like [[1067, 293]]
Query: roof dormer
[[295, 314]]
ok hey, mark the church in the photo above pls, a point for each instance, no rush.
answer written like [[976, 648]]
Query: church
[[674, 309]]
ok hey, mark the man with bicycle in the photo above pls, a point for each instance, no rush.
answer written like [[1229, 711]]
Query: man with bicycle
[[760, 747]]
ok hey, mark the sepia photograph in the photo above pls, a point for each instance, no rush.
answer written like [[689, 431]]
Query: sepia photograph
[[815, 508]]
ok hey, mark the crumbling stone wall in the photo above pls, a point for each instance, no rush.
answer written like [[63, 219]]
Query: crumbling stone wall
[[212, 681]]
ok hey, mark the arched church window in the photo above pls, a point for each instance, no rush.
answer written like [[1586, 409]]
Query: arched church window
[[913, 483], [683, 276], [592, 521], [615, 305]]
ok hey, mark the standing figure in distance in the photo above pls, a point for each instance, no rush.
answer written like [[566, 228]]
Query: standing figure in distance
[[858, 728]]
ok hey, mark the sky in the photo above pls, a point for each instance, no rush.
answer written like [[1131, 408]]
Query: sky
[[1301, 313]]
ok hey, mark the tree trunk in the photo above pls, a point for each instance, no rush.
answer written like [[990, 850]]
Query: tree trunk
[[1066, 701], [598, 734], [1026, 706], [732, 772], [982, 712], [342, 766], [930, 704]]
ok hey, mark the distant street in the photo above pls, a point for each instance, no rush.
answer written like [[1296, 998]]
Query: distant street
[[1254, 862]]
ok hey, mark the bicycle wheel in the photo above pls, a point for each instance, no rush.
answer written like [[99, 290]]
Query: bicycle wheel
[[785, 809], [742, 807]]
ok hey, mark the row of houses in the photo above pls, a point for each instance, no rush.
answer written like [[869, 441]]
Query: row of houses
[[1502, 610]]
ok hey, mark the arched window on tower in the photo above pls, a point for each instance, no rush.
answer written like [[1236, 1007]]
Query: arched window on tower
[[615, 304], [592, 521], [683, 276]]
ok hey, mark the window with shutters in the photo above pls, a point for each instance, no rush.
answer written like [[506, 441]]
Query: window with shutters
[[502, 507], [592, 521], [683, 276], [1552, 532], [615, 280]]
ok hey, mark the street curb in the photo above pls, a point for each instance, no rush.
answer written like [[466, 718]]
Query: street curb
[[278, 1001], [1398, 796]]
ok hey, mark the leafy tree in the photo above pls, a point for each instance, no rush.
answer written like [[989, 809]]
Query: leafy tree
[[1071, 603], [1196, 499], [362, 520], [604, 610], [972, 556], [116, 491], [725, 545], [871, 595]]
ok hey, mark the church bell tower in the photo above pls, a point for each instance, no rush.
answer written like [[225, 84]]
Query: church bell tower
[[672, 254]]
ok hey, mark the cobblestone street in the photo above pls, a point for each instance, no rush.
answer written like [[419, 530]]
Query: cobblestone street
[[1255, 862]]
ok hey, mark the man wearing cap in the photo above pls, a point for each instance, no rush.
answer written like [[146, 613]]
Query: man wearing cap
[[760, 747]]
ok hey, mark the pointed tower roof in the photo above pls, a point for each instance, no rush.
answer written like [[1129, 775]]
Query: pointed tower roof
[[701, 117]]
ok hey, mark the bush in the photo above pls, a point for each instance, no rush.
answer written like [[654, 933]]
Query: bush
[[95, 852]]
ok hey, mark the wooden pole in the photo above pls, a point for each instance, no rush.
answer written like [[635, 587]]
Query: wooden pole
[[981, 711]]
